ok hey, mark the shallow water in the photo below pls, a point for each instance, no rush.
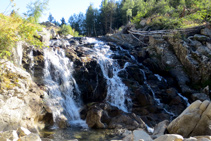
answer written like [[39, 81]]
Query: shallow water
[[82, 134]]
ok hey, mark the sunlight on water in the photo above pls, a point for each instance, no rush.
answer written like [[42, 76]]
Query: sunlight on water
[[60, 83], [117, 90]]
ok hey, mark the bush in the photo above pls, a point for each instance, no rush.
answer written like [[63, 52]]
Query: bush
[[13, 29], [165, 22], [67, 29]]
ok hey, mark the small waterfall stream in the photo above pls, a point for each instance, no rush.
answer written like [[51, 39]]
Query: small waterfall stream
[[117, 90], [60, 83]]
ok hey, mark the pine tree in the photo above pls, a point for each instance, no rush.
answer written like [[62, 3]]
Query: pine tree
[[50, 18], [63, 21]]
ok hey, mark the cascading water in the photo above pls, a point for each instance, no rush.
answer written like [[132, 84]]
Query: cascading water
[[60, 83], [160, 78], [117, 90]]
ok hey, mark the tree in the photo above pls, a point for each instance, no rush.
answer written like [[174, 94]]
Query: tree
[[77, 22], [91, 20], [36, 9], [108, 10], [50, 18], [63, 21], [127, 7], [111, 11]]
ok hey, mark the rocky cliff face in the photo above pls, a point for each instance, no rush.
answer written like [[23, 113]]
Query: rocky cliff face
[[21, 100], [187, 60]]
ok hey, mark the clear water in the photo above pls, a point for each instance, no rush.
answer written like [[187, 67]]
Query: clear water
[[82, 134]]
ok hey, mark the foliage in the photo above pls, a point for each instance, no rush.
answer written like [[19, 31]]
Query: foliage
[[159, 14], [63, 21], [13, 29], [36, 9], [67, 29], [77, 22], [50, 18]]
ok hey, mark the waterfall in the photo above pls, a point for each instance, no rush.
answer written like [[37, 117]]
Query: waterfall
[[160, 78], [116, 89], [61, 84], [184, 98]]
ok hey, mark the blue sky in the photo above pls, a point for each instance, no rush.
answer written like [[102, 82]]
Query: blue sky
[[58, 8]]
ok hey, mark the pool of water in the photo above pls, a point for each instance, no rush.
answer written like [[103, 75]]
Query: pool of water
[[82, 134]]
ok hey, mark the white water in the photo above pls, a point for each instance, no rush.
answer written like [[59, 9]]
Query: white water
[[60, 83], [160, 78], [184, 98], [117, 90]]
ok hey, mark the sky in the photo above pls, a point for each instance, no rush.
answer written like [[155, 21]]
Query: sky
[[58, 8]]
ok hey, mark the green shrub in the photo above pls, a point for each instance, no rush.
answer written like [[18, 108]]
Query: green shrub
[[67, 29], [13, 29]]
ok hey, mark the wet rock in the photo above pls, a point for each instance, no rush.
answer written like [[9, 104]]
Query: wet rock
[[59, 43], [143, 96], [101, 115], [170, 137], [93, 118], [141, 135], [91, 76], [200, 37], [199, 96], [195, 119], [134, 73], [62, 121], [127, 121], [206, 32]]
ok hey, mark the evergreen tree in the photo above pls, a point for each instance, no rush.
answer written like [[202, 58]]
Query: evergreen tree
[[77, 22], [50, 18], [63, 21], [91, 21]]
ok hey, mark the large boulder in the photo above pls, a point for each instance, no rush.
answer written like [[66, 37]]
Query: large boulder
[[160, 129], [195, 118], [93, 118], [141, 135], [206, 32], [103, 115], [44, 36], [170, 137]]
